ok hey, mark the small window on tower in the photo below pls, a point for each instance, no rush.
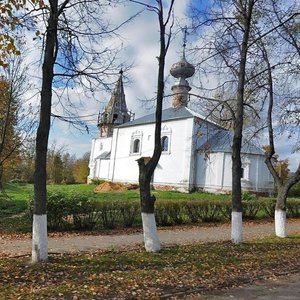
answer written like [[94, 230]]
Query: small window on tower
[[115, 117]]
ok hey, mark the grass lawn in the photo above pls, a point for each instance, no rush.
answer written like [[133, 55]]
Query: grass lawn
[[135, 274], [16, 196]]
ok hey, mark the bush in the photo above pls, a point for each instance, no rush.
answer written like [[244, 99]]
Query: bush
[[69, 210], [268, 207], [251, 208], [129, 212], [295, 190], [97, 181], [293, 208], [109, 212]]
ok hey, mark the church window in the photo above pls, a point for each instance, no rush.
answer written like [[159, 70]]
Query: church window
[[115, 117], [166, 133], [245, 169], [164, 143], [136, 143], [136, 146], [243, 173]]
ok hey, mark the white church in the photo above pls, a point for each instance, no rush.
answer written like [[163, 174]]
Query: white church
[[196, 153]]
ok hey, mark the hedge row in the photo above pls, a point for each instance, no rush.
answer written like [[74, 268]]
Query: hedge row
[[79, 211]]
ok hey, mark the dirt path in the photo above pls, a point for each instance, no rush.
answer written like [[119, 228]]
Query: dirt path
[[66, 244]]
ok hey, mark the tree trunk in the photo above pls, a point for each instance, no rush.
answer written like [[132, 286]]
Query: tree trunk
[[280, 212], [151, 240], [237, 208], [39, 228], [1, 177]]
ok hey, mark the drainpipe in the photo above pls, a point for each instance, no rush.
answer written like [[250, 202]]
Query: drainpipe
[[223, 170], [257, 167]]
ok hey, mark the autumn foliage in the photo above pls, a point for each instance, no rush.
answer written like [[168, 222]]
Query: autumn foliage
[[9, 138], [10, 24]]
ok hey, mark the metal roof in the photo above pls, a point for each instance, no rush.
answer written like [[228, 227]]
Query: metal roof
[[222, 142], [167, 115], [104, 155]]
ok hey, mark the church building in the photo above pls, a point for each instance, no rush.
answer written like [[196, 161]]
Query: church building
[[196, 153]]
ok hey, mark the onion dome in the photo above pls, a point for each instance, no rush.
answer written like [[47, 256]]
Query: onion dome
[[182, 69]]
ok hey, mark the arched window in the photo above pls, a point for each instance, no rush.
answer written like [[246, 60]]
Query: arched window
[[164, 143], [136, 146]]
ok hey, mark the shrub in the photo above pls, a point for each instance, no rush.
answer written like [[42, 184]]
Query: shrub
[[129, 211], [268, 207], [295, 190], [109, 213], [293, 208], [82, 210], [251, 208], [193, 209], [162, 215], [97, 181], [69, 210], [57, 210]]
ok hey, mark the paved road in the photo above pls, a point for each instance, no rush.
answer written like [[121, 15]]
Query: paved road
[[279, 288], [66, 244]]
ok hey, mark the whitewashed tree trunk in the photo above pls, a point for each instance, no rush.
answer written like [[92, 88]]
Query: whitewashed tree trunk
[[280, 223], [237, 227], [39, 238], [152, 243]]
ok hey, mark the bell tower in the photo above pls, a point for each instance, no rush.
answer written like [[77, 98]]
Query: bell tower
[[116, 112], [181, 70]]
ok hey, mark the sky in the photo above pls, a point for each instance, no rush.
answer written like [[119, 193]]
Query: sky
[[140, 39]]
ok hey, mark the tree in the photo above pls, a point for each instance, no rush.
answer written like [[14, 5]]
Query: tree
[[27, 155], [148, 165], [81, 168], [284, 181], [227, 45], [55, 165], [68, 168], [10, 21], [15, 120], [74, 54]]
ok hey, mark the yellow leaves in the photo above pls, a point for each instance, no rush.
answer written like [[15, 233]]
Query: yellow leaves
[[9, 22], [267, 148]]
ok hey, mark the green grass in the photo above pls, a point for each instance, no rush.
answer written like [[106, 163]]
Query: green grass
[[14, 198], [135, 274], [16, 195]]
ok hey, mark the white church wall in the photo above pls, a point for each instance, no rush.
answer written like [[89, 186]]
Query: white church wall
[[99, 146], [213, 173], [123, 166], [174, 165]]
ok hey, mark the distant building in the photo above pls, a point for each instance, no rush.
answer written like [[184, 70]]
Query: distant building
[[196, 153]]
